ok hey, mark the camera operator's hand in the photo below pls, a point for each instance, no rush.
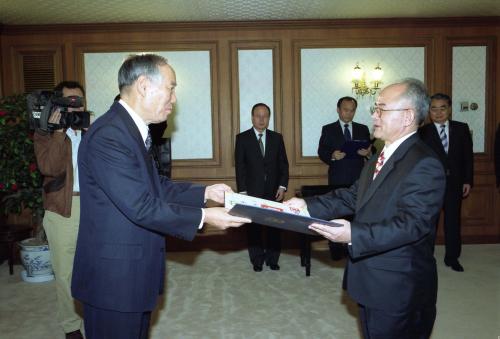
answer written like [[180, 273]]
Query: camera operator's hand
[[55, 117]]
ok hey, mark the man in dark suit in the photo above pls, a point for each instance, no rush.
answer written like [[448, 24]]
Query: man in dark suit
[[452, 142], [391, 271], [343, 170], [126, 207], [262, 171]]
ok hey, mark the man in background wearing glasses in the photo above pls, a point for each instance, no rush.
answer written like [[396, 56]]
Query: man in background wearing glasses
[[452, 142], [391, 272]]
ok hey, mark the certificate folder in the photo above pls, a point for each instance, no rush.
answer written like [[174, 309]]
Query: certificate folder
[[273, 218], [350, 148]]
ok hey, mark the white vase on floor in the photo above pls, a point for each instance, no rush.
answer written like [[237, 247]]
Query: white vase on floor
[[35, 257]]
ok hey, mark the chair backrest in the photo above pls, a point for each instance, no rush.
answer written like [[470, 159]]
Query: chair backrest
[[312, 190]]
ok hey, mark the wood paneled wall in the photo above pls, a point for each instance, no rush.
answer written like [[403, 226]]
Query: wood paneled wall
[[481, 219]]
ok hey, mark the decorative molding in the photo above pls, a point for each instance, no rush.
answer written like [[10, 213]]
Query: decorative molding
[[484, 160], [277, 113], [210, 46], [251, 25], [425, 42], [17, 52], [478, 209]]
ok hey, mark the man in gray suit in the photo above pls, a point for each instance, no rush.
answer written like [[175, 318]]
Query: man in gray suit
[[391, 271]]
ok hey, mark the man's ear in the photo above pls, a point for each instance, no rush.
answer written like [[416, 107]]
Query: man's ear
[[409, 117], [141, 85]]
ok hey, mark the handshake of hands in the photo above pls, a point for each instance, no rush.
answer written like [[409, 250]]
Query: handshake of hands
[[219, 216]]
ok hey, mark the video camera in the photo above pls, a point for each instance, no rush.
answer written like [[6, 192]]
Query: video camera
[[41, 104]]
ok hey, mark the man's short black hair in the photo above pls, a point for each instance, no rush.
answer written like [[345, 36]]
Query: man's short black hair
[[442, 96], [70, 85], [347, 99], [263, 105]]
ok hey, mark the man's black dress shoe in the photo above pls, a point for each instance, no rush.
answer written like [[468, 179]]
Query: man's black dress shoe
[[257, 268], [274, 267], [74, 335], [454, 264]]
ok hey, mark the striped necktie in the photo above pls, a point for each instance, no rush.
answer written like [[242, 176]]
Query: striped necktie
[[380, 163], [444, 137]]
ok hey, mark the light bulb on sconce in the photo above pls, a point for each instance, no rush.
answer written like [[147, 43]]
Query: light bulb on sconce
[[360, 87], [357, 73], [377, 75]]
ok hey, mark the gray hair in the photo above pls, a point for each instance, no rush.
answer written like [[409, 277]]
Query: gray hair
[[416, 95], [140, 64]]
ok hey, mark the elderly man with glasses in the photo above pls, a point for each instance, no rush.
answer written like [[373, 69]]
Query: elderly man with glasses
[[391, 271]]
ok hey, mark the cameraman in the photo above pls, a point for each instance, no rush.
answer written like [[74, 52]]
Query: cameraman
[[56, 153]]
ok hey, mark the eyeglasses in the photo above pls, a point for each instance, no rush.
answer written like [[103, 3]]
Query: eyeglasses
[[439, 109], [378, 111]]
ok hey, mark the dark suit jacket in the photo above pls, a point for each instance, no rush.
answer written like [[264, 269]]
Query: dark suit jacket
[[125, 210], [257, 175], [391, 265], [346, 171], [458, 163]]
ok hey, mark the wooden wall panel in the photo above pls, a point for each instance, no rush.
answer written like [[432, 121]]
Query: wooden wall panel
[[481, 219], [49, 57]]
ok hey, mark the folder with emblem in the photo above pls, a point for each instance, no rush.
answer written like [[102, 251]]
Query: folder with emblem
[[278, 219]]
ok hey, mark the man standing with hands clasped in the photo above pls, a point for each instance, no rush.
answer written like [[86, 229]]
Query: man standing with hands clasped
[[452, 142], [391, 271], [262, 171], [126, 207]]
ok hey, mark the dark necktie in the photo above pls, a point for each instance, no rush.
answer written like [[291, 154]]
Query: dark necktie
[[261, 145], [347, 133], [149, 142], [444, 137]]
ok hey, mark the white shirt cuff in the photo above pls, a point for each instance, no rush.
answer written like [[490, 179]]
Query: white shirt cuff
[[200, 226]]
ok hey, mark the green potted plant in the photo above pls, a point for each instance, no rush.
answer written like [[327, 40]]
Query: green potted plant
[[21, 184], [20, 180]]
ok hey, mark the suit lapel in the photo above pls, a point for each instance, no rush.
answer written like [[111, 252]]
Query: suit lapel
[[370, 186], [451, 136], [136, 135], [338, 131], [254, 141], [355, 132], [366, 179], [269, 143]]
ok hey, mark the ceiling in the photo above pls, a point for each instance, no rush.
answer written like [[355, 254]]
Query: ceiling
[[36, 12]]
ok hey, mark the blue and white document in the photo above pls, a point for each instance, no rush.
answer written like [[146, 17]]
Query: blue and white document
[[272, 213]]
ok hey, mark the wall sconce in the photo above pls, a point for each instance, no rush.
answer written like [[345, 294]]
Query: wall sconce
[[360, 84]]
